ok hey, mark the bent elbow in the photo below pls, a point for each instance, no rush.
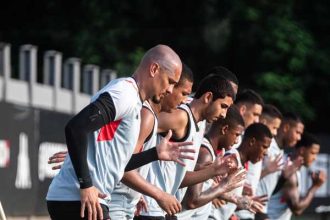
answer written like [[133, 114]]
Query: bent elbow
[[192, 205], [69, 128], [297, 211]]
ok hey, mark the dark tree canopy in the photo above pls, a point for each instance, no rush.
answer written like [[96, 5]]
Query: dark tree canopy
[[279, 48]]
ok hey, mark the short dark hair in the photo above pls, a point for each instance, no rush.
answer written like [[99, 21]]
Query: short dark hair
[[219, 86], [186, 74], [257, 131], [291, 118], [307, 140], [249, 96], [233, 119], [225, 73], [271, 111]]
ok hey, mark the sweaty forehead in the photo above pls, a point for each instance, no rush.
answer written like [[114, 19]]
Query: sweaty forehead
[[315, 148], [254, 108], [299, 127], [174, 76], [266, 141], [226, 101]]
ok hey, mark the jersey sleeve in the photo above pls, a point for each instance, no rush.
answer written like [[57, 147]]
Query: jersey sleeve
[[124, 95]]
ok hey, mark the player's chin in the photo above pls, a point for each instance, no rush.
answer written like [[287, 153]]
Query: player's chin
[[211, 120]]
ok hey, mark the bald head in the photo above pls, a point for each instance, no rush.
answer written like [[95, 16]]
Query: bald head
[[157, 73], [164, 56]]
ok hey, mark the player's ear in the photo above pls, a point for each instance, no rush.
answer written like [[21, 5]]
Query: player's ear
[[242, 109], [224, 129], [252, 141], [154, 69], [286, 127], [207, 97]]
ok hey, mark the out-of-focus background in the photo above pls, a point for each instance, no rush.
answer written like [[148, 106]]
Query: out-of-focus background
[[55, 54]]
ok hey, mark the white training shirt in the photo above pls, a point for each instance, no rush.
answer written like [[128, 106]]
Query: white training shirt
[[202, 212], [252, 178], [278, 207], [124, 194], [168, 175], [268, 183], [109, 148], [225, 211]]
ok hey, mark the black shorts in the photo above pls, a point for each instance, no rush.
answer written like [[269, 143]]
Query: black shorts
[[260, 216], [167, 217], [144, 217], [59, 210]]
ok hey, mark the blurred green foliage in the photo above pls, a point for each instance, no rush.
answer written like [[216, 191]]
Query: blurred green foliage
[[278, 48]]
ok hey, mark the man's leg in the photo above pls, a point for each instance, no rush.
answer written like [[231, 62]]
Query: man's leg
[[70, 210]]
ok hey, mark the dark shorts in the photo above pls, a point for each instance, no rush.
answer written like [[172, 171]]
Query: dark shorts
[[260, 216], [59, 210], [143, 217], [167, 217]]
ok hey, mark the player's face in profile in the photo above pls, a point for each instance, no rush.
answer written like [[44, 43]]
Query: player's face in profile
[[310, 154], [179, 95], [294, 134], [273, 125], [165, 81], [252, 114], [260, 147], [218, 109], [232, 135]]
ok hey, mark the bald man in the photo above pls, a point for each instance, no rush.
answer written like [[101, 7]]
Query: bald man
[[101, 139]]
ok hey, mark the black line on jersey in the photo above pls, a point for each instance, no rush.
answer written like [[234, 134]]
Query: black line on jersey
[[197, 128], [153, 127], [208, 149], [188, 128]]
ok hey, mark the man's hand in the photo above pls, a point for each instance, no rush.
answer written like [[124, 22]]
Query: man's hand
[[256, 206], [141, 206], [232, 181], [173, 151], [261, 199], [58, 157], [290, 167], [318, 178], [218, 202], [252, 204], [258, 203], [90, 200], [225, 165], [168, 203], [247, 190], [273, 165]]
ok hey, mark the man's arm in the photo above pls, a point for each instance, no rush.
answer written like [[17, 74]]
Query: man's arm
[[194, 191], [272, 165], [176, 121], [195, 197], [222, 165], [134, 180], [146, 128], [165, 150], [296, 203], [91, 118], [166, 201]]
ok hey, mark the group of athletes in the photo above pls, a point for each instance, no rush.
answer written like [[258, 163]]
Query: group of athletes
[[145, 148]]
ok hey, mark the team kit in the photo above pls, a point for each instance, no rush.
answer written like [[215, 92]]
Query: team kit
[[148, 147]]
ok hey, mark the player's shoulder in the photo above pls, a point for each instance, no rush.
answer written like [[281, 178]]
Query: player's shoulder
[[181, 115], [125, 84]]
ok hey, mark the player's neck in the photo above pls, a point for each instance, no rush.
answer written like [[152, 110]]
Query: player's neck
[[213, 140], [141, 86], [243, 153], [280, 141], [197, 109]]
